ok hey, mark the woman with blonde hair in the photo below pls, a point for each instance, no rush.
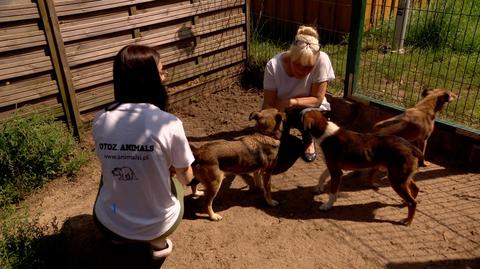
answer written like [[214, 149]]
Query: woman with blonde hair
[[296, 81]]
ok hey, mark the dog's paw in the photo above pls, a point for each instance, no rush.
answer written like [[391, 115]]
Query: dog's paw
[[424, 164], [272, 203], [216, 217], [198, 193], [325, 207]]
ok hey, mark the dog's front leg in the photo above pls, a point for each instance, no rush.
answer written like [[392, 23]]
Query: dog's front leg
[[267, 191], [336, 179], [321, 182], [422, 145]]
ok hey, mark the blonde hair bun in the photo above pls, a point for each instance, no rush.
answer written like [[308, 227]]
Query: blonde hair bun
[[308, 34], [306, 54]]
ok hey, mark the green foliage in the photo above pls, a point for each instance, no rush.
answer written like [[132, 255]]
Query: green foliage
[[35, 148], [450, 25], [24, 243], [262, 50]]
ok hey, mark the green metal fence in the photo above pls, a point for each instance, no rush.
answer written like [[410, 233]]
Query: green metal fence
[[433, 45], [389, 63]]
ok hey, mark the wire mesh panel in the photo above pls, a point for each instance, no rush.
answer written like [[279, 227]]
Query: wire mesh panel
[[274, 25], [424, 44]]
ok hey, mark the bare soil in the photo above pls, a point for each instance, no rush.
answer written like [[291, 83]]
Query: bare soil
[[361, 231]]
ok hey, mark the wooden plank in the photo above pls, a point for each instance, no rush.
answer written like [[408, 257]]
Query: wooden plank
[[45, 107], [20, 66], [9, 41], [87, 30], [84, 53], [204, 47], [91, 75], [203, 89], [27, 90], [97, 97], [60, 62], [235, 69], [64, 8], [209, 63], [18, 12]]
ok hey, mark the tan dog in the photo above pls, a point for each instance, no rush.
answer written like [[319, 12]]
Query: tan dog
[[348, 150], [416, 124], [252, 153]]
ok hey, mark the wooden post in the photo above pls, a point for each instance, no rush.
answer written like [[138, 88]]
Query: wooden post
[[132, 11], [60, 64], [248, 22]]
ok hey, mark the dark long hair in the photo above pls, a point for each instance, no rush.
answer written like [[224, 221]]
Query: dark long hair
[[136, 78]]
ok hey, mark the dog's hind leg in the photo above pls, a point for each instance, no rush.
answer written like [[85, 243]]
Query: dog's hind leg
[[335, 182], [267, 189], [321, 182], [403, 189], [414, 189]]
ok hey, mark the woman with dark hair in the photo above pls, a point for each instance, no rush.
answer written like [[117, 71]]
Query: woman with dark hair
[[137, 142]]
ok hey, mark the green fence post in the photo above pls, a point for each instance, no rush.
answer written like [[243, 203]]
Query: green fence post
[[354, 46]]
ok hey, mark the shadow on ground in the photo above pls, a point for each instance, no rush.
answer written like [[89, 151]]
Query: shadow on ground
[[79, 244], [442, 264]]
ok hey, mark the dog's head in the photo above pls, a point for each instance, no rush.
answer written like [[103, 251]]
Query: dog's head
[[316, 122], [269, 122], [439, 96]]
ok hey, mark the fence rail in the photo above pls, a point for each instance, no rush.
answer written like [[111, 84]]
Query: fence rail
[[56, 55]]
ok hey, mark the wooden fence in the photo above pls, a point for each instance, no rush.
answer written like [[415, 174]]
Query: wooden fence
[[332, 15], [56, 55]]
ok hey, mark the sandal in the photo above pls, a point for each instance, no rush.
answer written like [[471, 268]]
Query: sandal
[[310, 157], [162, 253]]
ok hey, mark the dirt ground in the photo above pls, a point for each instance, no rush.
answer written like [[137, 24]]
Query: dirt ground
[[361, 231]]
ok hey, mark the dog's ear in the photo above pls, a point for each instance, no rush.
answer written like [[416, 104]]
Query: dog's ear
[[426, 92], [281, 116], [451, 96], [253, 116], [445, 97]]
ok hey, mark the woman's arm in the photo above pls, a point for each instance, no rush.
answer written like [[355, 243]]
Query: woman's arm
[[269, 99], [184, 175], [317, 93]]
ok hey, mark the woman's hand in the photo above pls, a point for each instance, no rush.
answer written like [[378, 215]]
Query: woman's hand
[[184, 175]]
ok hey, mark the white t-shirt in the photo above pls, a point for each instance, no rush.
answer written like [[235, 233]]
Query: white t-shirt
[[276, 78], [136, 145]]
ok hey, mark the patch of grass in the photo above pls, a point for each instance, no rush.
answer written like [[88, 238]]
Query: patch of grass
[[35, 148], [24, 243]]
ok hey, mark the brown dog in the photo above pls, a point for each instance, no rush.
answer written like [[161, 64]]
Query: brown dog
[[348, 150], [252, 153], [416, 123]]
